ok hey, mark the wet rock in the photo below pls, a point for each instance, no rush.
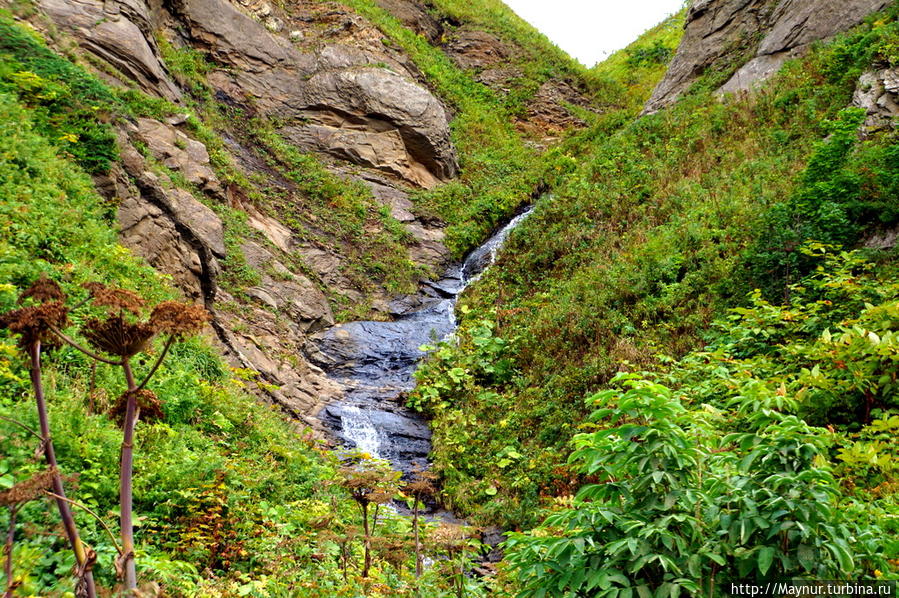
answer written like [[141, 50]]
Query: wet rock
[[769, 31], [374, 363], [117, 32], [492, 537]]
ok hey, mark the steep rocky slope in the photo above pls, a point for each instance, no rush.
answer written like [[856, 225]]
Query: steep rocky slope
[[214, 184]]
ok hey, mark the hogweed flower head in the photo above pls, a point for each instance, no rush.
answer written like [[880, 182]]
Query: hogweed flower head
[[42, 290], [32, 324], [116, 336], [29, 489], [116, 300]]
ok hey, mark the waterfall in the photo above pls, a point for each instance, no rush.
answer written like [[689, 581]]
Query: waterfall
[[375, 363]]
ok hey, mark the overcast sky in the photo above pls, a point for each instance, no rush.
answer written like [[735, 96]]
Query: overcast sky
[[590, 30]]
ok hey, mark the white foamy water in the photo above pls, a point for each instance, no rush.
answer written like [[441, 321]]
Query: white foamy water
[[358, 427]]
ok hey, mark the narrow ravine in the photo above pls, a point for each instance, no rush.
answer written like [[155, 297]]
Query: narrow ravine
[[375, 362]]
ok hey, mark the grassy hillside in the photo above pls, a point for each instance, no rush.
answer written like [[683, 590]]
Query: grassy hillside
[[652, 233]]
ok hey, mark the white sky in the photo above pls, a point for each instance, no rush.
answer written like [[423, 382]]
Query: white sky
[[590, 30]]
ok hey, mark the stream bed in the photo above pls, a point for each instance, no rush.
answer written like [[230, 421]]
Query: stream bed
[[374, 362]]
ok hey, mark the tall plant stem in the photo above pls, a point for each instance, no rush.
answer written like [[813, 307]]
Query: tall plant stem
[[366, 541], [418, 567], [84, 508], [7, 549], [162, 354], [126, 475], [65, 512]]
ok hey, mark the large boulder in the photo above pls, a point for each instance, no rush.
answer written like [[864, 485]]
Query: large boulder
[[762, 33], [374, 117]]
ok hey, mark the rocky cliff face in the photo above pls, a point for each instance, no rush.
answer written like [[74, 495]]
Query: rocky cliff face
[[325, 80], [751, 39]]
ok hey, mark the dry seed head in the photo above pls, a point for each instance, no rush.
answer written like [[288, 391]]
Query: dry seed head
[[42, 290], [115, 299], [179, 319], [33, 323], [29, 489], [117, 337]]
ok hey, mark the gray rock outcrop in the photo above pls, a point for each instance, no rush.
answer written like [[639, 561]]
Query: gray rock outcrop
[[119, 33], [762, 34], [878, 93], [334, 101]]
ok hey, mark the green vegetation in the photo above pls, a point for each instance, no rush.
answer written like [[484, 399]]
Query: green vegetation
[[229, 499], [722, 475], [699, 274], [654, 230], [69, 106]]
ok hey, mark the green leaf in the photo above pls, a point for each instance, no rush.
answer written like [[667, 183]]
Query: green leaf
[[766, 557]]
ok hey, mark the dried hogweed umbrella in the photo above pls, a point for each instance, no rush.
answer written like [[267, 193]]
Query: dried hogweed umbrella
[[114, 299], [36, 325], [148, 404], [117, 336], [123, 335]]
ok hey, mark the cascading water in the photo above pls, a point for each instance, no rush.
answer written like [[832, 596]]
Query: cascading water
[[375, 361]]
